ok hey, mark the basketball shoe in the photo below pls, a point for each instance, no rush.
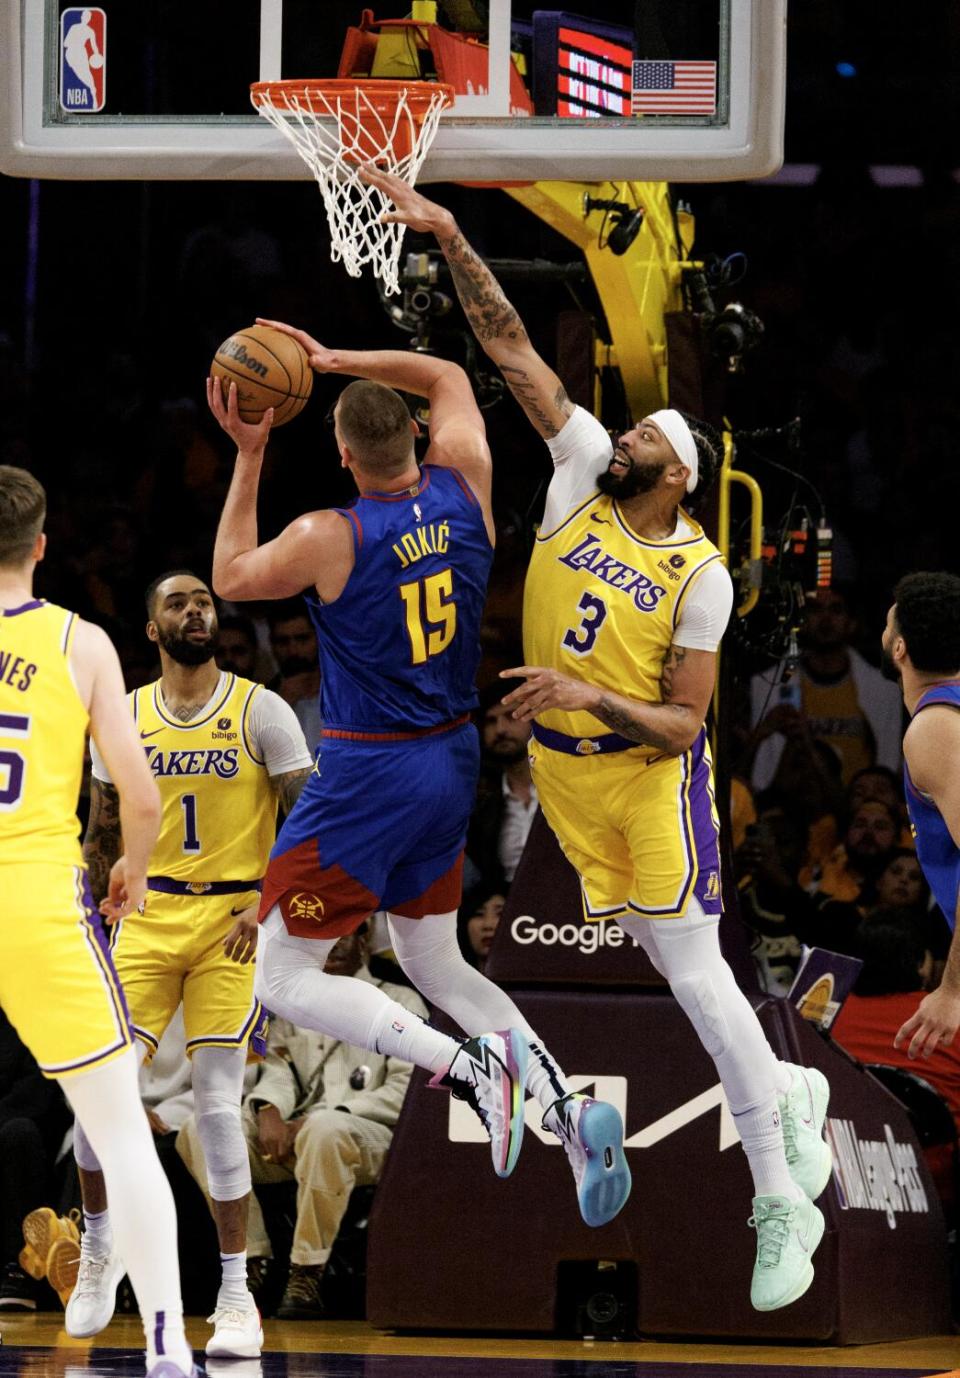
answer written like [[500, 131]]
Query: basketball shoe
[[788, 1233], [591, 1132], [41, 1230], [94, 1297], [803, 1111], [488, 1072], [237, 1332]]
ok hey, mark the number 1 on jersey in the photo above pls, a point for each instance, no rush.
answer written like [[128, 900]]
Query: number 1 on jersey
[[191, 842], [431, 615]]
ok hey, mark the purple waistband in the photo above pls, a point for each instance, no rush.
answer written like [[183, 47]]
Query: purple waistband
[[168, 886], [582, 746]]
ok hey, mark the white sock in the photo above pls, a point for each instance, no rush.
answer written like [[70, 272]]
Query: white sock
[[233, 1286], [762, 1140], [97, 1234]]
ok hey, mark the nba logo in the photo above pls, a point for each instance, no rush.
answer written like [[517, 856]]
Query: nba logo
[[83, 60]]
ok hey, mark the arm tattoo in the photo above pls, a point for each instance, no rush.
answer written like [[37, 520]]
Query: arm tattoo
[[490, 315], [287, 787], [620, 720], [526, 393], [102, 842], [672, 661]]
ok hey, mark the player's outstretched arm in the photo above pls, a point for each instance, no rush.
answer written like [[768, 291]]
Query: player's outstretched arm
[[458, 436], [99, 680], [671, 726], [315, 550], [493, 320], [931, 748]]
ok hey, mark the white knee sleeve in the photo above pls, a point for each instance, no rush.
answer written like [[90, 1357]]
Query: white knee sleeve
[[217, 1089], [428, 951], [696, 995], [83, 1153]]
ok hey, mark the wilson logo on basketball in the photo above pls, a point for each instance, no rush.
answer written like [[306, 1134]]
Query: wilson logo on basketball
[[233, 349], [305, 906]]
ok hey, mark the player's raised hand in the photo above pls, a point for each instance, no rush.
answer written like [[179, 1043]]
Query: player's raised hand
[[248, 437], [240, 944], [545, 689], [126, 891], [412, 207], [322, 359], [934, 1025]]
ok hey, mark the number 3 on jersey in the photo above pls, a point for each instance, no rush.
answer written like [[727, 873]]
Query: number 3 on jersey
[[431, 615], [580, 639]]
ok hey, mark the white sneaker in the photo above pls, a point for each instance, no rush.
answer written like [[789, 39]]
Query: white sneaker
[[591, 1132], [94, 1298], [488, 1072], [803, 1111], [237, 1332]]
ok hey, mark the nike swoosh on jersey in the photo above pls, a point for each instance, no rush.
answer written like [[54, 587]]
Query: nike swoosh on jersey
[[241, 910], [601, 521], [145, 735]]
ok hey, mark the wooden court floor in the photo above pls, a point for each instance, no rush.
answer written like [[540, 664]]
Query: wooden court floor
[[38, 1347]]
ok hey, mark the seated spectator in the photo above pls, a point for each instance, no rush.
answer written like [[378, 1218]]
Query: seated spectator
[[896, 973], [807, 785], [778, 912], [902, 885], [477, 923], [293, 642], [845, 700], [322, 1114], [507, 797], [237, 650], [33, 1117], [872, 834]]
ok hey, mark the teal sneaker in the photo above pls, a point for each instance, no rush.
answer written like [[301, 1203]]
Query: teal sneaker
[[788, 1233], [803, 1111], [591, 1132]]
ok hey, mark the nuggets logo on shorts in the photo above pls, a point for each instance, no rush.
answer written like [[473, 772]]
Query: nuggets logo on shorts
[[305, 906]]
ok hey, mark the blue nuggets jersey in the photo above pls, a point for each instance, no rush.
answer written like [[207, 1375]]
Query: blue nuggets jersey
[[937, 852], [399, 648]]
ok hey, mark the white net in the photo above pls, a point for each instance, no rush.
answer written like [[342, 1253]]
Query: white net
[[337, 126]]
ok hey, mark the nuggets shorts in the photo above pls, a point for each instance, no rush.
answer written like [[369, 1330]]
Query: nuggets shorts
[[381, 825]]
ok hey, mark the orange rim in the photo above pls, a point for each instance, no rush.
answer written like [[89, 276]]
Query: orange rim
[[384, 96]]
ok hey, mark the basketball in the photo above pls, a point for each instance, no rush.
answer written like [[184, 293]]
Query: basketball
[[270, 369]]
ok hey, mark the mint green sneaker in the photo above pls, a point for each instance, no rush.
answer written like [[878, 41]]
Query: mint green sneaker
[[803, 1111], [788, 1233]]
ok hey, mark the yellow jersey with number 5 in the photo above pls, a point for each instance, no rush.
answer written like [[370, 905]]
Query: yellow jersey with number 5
[[43, 725], [601, 604], [219, 809]]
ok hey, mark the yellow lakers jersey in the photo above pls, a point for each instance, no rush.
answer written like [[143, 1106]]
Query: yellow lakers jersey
[[219, 810], [602, 604], [43, 726]]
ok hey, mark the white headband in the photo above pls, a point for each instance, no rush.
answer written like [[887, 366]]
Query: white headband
[[681, 438]]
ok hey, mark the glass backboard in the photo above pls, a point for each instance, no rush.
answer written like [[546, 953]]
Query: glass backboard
[[653, 89]]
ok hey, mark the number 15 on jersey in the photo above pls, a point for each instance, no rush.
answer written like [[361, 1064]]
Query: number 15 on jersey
[[431, 615]]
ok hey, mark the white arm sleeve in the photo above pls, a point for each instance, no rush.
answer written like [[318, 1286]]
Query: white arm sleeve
[[276, 736], [97, 766], [706, 610], [580, 451]]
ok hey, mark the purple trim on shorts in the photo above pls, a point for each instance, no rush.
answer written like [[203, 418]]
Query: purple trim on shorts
[[101, 944], [253, 1031], [159, 1319]]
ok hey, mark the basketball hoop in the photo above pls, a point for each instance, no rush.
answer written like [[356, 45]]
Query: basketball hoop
[[337, 125]]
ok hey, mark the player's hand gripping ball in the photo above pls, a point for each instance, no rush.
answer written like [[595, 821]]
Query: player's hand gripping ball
[[270, 369]]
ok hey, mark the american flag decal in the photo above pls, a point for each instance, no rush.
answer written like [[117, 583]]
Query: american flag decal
[[674, 88]]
